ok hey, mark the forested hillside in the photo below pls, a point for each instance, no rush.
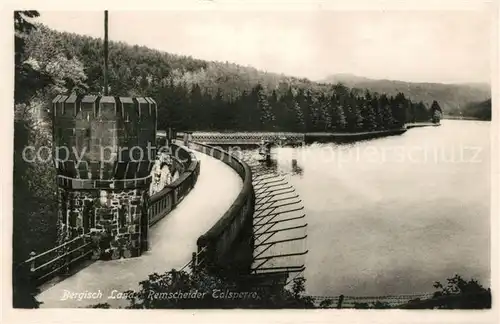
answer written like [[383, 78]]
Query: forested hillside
[[200, 95], [480, 110], [453, 98]]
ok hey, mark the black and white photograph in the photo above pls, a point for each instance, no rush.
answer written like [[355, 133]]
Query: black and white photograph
[[226, 158]]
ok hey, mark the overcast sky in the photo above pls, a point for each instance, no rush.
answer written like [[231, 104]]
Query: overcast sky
[[424, 46]]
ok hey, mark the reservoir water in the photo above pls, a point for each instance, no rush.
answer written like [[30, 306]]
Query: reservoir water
[[393, 215]]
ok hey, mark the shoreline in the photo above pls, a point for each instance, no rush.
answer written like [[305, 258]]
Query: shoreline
[[414, 125], [348, 137], [293, 138]]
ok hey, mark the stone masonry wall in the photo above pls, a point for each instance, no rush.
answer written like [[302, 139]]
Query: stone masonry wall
[[113, 218], [104, 150]]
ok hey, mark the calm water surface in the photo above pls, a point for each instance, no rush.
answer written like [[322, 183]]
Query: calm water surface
[[393, 215]]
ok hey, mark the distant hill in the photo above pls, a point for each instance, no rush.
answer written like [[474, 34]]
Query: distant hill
[[480, 110], [452, 98]]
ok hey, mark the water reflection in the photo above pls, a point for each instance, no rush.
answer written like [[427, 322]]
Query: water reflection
[[393, 215]]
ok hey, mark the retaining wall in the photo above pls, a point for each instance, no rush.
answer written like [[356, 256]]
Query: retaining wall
[[228, 245]]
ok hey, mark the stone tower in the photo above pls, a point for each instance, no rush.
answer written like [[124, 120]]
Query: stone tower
[[104, 150]]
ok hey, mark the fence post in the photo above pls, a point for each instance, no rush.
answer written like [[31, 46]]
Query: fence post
[[341, 300], [194, 264], [32, 255], [84, 239], [67, 258]]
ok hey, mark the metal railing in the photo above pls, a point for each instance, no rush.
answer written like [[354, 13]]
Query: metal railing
[[389, 301], [59, 260], [476, 300], [196, 261]]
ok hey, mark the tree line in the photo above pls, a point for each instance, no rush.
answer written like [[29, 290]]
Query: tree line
[[202, 95], [339, 109]]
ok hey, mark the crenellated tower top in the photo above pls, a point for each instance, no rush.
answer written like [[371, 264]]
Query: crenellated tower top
[[108, 140]]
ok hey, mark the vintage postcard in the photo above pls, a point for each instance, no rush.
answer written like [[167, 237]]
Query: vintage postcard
[[226, 157]]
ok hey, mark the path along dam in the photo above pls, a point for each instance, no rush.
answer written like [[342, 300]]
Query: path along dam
[[171, 242]]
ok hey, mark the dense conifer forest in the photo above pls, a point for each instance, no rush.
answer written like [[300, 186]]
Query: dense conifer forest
[[201, 95], [455, 99]]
